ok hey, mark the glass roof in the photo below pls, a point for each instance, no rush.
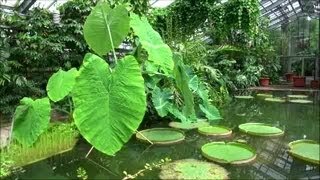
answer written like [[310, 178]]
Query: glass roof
[[279, 11]]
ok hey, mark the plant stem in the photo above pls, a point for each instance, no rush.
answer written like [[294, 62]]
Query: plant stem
[[112, 46], [144, 137], [89, 152]]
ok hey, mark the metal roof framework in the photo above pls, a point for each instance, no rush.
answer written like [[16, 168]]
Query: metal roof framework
[[278, 11], [282, 12]]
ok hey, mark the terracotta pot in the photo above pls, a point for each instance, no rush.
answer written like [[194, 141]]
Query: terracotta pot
[[315, 84], [289, 77], [264, 81], [299, 81]]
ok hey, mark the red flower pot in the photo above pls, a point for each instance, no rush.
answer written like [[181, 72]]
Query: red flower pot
[[315, 84], [299, 81], [289, 77], [264, 81]]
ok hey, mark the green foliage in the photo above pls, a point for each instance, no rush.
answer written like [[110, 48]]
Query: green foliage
[[161, 100], [58, 138], [31, 119], [182, 83], [109, 103], [159, 53], [61, 83], [106, 28]]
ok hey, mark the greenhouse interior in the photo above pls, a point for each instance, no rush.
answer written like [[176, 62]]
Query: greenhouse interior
[[159, 89]]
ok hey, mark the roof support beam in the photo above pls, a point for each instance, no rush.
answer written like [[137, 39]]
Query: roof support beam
[[285, 21], [25, 5], [273, 5]]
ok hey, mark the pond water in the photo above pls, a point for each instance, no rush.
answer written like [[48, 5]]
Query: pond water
[[273, 162]]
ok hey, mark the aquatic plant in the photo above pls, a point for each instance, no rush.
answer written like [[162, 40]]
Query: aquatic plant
[[58, 138], [260, 129], [82, 173], [229, 153], [306, 150], [192, 169], [189, 126], [161, 136], [217, 131], [147, 167]]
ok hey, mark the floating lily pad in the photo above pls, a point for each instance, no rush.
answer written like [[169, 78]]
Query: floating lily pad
[[260, 129], [297, 96], [306, 150], [243, 97], [241, 114], [279, 100], [192, 169], [189, 126], [229, 153], [220, 131], [263, 96], [161, 135], [301, 101]]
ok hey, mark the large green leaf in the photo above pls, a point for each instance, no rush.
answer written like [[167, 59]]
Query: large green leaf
[[109, 104], [105, 26], [160, 100], [159, 53], [182, 83], [31, 119], [60, 84], [211, 112]]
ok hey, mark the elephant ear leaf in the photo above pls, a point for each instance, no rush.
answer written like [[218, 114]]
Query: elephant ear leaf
[[211, 112], [31, 119], [109, 104], [159, 53], [61, 83], [161, 100], [105, 28]]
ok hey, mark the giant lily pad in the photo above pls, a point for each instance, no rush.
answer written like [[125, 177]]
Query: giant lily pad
[[161, 136], [192, 169], [109, 103], [306, 150], [61, 83], [243, 97], [297, 96], [263, 96], [188, 125], [260, 129], [228, 153], [301, 101], [276, 99], [220, 131], [31, 119]]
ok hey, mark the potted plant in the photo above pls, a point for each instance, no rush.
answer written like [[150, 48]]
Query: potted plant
[[300, 81], [289, 76], [264, 81], [315, 84]]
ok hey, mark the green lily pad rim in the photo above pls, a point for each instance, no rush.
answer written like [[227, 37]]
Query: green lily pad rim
[[227, 134], [291, 144], [300, 101], [160, 142], [262, 95], [297, 96], [244, 97], [179, 125], [222, 161], [261, 134], [275, 99]]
